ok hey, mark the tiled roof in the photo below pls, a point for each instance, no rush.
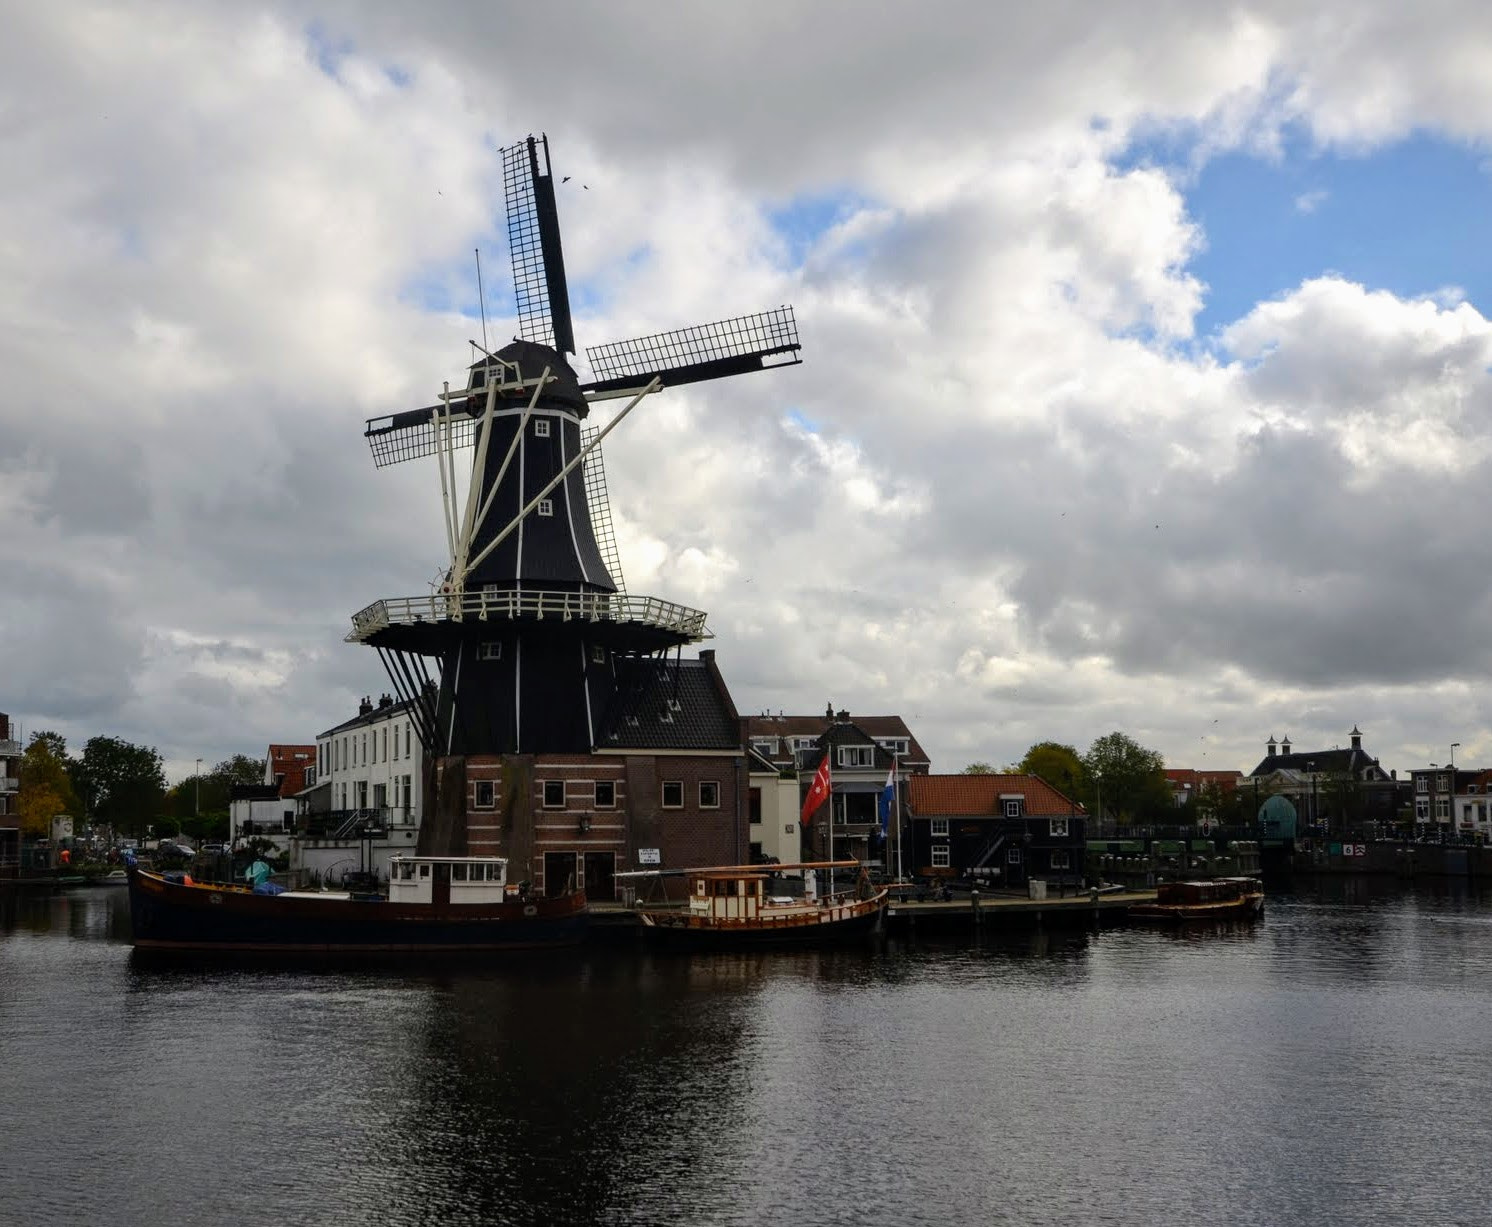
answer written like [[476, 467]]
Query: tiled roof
[[1181, 776], [1324, 762], [964, 796], [669, 705]]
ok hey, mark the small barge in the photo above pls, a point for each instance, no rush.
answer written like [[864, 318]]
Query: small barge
[[1217, 899]]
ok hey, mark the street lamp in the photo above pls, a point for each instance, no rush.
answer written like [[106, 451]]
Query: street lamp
[[197, 791], [1311, 767]]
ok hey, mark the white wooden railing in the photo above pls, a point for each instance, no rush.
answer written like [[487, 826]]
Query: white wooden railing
[[530, 603]]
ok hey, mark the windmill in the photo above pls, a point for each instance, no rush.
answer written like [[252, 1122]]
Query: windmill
[[525, 628]]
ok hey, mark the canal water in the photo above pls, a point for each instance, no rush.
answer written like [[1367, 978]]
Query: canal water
[[1327, 1065]]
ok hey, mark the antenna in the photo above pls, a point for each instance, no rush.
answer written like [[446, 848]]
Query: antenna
[[481, 300]]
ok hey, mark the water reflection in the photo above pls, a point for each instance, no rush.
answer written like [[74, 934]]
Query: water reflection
[[1279, 1072]]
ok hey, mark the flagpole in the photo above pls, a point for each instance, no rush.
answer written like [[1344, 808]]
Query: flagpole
[[896, 798], [829, 775]]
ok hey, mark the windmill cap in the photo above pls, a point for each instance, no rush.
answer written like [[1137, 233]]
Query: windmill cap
[[531, 358]]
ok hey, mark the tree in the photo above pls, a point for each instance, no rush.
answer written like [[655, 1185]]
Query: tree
[[45, 790], [121, 784], [1131, 779], [979, 768], [1057, 764]]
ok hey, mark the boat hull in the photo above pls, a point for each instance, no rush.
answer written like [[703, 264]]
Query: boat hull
[[846, 922], [1245, 908], [172, 916]]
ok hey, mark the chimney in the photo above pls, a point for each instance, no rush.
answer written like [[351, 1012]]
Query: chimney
[[829, 711], [1269, 746], [365, 706], [842, 716], [707, 654], [385, 700]]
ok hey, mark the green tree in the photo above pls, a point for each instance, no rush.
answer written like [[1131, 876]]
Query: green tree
[[1130, 779], [121, 783], [45, 790], [979, 768], [1057, 764]]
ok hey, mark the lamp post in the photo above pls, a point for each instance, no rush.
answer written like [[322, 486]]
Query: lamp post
[[1311, 767], [1098, 782]]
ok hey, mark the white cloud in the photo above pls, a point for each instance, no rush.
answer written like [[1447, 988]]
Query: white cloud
[[1029, 504]]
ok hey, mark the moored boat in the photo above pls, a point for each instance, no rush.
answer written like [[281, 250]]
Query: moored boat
[[1215, 899], [728, 906], [434, 903]]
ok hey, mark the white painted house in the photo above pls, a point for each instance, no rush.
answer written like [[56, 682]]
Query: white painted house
[[374, 765]]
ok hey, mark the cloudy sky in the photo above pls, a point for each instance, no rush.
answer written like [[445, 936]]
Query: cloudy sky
[[1145, 378]]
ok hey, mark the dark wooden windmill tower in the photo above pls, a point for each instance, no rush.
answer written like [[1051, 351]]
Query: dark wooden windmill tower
[[526, 630]]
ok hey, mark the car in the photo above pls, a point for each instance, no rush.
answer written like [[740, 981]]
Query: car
[[177, 851]]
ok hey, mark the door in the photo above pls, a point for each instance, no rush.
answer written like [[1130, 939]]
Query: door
[[600, 868], [559, 873]]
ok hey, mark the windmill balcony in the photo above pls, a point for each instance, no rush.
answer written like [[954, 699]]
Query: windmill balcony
[[530, 604]]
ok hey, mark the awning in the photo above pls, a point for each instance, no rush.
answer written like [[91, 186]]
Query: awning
[[858, 786]]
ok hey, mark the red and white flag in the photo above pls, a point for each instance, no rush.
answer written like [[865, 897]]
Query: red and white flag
[[818, 791]]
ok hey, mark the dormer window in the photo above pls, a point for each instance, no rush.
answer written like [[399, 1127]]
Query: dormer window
[[857, 756]]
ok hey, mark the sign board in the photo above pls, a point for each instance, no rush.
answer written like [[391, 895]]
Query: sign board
[[649, 856]]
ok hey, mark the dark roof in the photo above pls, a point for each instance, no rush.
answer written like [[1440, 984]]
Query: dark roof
[[378, 713], [665, 704], [1326, 762], [253, 792], [875, 727]]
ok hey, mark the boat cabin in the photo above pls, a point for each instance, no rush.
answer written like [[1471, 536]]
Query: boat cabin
[[448, 879], [733, 895], [1218, 890]]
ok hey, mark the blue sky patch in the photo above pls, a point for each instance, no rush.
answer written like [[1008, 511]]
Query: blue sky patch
[[327, 51], [1410, 218], [804, 220]]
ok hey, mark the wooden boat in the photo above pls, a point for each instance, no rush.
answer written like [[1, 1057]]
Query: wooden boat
[[728, 906], [1217, 899], [434, 903]]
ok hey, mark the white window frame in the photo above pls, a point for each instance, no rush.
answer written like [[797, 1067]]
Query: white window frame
[[857, 756], [1013, 808], [541, 428], [490, 649], [1421, 783], [1443, 809], [478, 787], [545, 786], [938, 827], [715, 786], [765, 745], [663, 790], [1058, 828], [546, 507], [941, 858], [1422, 811], [1012, 856]]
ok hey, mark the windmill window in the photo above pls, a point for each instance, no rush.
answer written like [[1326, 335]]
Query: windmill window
[[605, 794], [484, 795], [541, 428], [491, 650], [546, 506], [709, 794], [673, 794], [598, 654], [940, 856], [554, 794], [1013, 856]]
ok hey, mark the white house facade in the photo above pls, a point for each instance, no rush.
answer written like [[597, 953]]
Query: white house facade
[[374, 766]]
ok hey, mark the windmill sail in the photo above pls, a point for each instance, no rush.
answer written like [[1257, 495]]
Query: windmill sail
[[704, 351], [534, 245]]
